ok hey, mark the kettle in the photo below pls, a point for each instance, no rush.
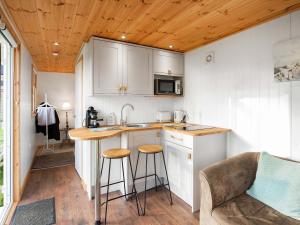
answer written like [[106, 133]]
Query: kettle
[[179, 116]]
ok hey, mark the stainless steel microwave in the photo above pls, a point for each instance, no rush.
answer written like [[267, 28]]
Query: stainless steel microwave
[[167, 86]]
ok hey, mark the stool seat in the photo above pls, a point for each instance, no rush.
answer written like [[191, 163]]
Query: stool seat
[[116, 153], [150, 149]]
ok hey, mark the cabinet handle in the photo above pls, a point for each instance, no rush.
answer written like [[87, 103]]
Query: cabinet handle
[[120, 88], [189, 156], [178, 139]]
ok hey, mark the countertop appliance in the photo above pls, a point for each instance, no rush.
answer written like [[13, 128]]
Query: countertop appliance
[[167, 86], [91, 119], [194, 127], [179, 116], [164, 116]]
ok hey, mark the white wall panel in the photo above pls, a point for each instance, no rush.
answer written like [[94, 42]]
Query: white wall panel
[[27, 127], [238, 91]]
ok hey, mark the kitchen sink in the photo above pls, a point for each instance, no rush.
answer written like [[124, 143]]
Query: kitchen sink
[[139, 125], [98, 129]]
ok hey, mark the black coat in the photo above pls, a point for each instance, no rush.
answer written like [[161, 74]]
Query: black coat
[[53, 129]]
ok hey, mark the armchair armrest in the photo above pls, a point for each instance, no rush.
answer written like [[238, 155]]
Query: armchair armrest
[[227, 179]]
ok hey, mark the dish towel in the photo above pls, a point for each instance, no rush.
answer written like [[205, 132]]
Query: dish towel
[[46, 116]]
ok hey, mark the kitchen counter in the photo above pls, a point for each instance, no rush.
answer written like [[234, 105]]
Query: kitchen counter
[[87, 134], [182, 146]]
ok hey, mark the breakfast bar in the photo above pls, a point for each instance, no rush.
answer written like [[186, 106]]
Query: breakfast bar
[[98, 134]]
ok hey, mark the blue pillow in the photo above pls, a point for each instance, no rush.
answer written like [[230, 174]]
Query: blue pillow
[[277, 184]]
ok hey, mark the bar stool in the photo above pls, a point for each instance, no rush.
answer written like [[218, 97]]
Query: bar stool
[[118, 154], [147, 150]]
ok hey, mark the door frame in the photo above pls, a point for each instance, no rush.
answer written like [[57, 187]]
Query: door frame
[[17, 190], [16, 182]]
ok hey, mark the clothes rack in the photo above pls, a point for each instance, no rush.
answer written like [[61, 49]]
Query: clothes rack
[[47, 104]]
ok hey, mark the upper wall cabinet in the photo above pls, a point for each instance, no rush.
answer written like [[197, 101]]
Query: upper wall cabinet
[[107, 69], [137, 70], [114, 68], [168, 63]]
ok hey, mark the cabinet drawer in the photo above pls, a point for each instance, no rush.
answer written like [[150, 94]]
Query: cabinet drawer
[[179, 138]]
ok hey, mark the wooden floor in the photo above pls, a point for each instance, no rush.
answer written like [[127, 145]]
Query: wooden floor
[[73, 207]]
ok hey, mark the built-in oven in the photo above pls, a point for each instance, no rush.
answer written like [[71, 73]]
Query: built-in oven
[[167, 86]]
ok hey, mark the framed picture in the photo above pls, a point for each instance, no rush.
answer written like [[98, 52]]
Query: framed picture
[[33, 91], [286, 56]]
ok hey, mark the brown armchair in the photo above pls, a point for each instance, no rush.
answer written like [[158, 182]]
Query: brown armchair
[[223, 199]]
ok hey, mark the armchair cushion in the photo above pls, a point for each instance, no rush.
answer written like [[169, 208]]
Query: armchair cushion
[[277, 184]]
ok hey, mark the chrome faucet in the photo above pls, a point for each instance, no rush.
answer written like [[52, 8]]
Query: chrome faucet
[[122, 121]]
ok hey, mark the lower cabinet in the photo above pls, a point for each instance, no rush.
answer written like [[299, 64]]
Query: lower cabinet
[[180, 170], [88, 165], [132, 140], [185, 156]]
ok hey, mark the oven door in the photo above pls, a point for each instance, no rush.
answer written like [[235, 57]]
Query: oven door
[[164, 87]]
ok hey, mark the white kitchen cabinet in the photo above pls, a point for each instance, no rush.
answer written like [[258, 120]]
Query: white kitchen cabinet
[[132, 140], [168, 63], [137, 70], [180, 170], [186, 155], [115, 68], [88, 165], [107, 67]]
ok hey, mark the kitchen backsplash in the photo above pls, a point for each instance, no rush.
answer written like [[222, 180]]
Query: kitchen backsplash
[[145, 108]]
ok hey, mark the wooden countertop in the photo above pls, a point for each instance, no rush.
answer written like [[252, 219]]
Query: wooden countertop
[[87, 134]]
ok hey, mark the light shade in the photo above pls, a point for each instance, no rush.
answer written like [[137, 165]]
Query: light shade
[[66, 106]]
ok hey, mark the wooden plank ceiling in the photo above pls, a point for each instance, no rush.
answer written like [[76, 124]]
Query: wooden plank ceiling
[[184, 24]]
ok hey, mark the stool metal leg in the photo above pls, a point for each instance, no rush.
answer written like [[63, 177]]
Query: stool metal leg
[[108, 180], [102, 164], [145, 194], [155, 171], [133, 187], [124, 179], [136, 166], [171, 200]]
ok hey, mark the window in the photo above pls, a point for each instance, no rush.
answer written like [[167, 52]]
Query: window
[[6, 53]]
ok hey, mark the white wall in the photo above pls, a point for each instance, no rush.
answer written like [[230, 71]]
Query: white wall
[[238, 90], [59, 88], [27, 127], [145, 108]]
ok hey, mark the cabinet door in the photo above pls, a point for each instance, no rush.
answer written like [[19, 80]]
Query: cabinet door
[[107, 77], [168, 63], [137, 70], [136, 139], [180, 170]]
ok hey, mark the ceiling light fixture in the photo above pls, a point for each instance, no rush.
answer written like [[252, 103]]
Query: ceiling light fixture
[[123, 36], [56, 43], [170, 46], [55, 53]]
